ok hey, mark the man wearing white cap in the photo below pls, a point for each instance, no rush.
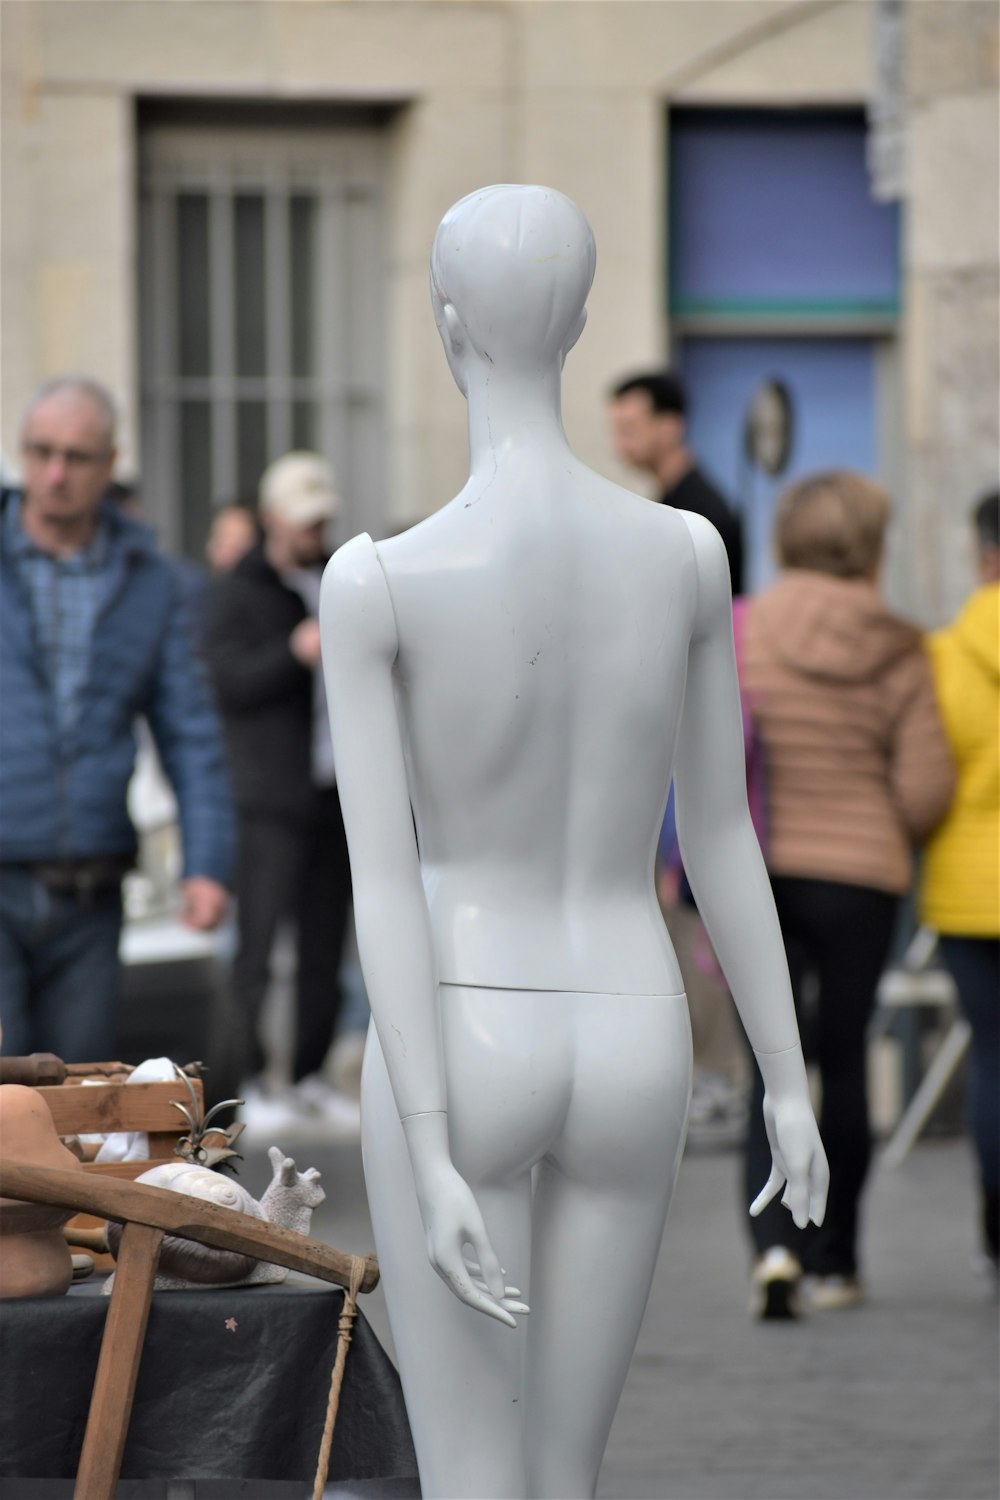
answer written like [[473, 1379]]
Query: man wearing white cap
[[263, 652]]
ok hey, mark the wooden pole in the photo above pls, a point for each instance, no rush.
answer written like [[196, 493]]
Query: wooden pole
[[118, 1366]]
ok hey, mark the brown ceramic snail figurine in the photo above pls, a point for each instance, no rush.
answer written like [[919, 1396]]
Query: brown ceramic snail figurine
[[35, 1259]]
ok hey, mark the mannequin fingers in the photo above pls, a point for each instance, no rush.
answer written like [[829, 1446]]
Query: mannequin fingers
[[487, 1265], [508, 1291], [479, 1294], [511, 1298], [768, 1192], [483, 1302], [476, 1271], [796, 1200], [457, 1278]]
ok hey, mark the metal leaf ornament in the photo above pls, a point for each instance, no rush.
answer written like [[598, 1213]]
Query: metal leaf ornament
[[193, 1147]]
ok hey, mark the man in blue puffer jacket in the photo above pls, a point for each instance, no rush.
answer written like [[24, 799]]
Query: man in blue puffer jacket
[[93, 634]]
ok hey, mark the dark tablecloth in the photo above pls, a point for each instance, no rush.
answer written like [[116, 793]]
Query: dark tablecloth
[[233, 1384]]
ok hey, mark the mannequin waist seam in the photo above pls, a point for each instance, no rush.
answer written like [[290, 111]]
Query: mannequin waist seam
[[530, 989]]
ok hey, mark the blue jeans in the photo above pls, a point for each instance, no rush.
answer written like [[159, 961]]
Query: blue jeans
[[58, 969]]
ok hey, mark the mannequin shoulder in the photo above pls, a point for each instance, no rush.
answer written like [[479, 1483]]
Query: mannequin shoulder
[[355, 607], [632, 522], [712, 567]]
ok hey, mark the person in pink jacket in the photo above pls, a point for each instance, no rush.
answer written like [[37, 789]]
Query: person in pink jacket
[[858, 772]]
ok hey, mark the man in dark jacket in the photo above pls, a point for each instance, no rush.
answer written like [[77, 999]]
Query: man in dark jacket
[[94, 636], [263, 653], [648, 427]]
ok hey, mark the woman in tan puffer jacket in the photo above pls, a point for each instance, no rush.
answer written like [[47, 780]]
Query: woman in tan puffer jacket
[[859, 772]]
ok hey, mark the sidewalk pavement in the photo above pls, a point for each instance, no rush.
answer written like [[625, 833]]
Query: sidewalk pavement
[[897, 1400]]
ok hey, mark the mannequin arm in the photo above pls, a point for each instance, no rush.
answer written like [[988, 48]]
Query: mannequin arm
[[358, 630], [727, 874]]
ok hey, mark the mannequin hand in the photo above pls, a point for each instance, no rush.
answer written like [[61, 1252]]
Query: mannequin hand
[[452, 1220], [798, 1162], [511, 1299]]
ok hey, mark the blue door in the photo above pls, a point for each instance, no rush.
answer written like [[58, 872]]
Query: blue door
[[831, 382], [775, 238]]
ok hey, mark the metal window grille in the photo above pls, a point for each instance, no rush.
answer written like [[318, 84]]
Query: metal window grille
[[261, 296]]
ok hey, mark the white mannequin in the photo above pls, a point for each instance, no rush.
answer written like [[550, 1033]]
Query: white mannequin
[[515, 668]]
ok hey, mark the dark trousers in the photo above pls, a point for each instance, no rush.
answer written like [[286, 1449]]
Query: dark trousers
[[837, 941], [974, 964], [298, 870], [58, 968]]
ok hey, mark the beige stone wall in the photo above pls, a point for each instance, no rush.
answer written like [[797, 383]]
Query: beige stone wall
[[952, 357], [568, 92], [20, 134]]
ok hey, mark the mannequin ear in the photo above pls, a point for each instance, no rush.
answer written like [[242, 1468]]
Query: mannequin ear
[[578, 328], [453, 329]]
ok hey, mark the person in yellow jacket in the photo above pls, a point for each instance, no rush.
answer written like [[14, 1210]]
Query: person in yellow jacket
[[960, 897]]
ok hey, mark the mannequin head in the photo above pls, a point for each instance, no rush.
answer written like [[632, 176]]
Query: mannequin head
[[511, 267]]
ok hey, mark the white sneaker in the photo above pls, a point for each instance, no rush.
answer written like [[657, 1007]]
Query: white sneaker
[[340, 1115], [834, 1293], [776, 1286]]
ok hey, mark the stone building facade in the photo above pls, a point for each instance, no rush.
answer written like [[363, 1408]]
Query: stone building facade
[[950, 177], [430, 100]]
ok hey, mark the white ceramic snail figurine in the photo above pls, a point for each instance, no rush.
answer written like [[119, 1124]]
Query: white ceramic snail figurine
[[185, 1264]]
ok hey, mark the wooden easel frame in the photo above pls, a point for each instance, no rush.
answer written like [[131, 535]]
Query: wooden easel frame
[[148, 1213]]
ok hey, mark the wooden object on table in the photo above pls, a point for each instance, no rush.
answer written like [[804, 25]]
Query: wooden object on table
[[115, 1105], [191, 1218], [118, 1365], [34, 1259], [154, 1212], [45, 1068]]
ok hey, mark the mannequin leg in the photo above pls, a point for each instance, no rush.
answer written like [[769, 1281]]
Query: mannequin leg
[[461, 1371], [595, 1088], [601, 1201]]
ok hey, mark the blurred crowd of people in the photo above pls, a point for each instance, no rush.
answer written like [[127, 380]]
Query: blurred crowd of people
[[262, 648], [866, 742]]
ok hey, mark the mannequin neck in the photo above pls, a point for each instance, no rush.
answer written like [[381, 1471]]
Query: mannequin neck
[[513, 415]]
